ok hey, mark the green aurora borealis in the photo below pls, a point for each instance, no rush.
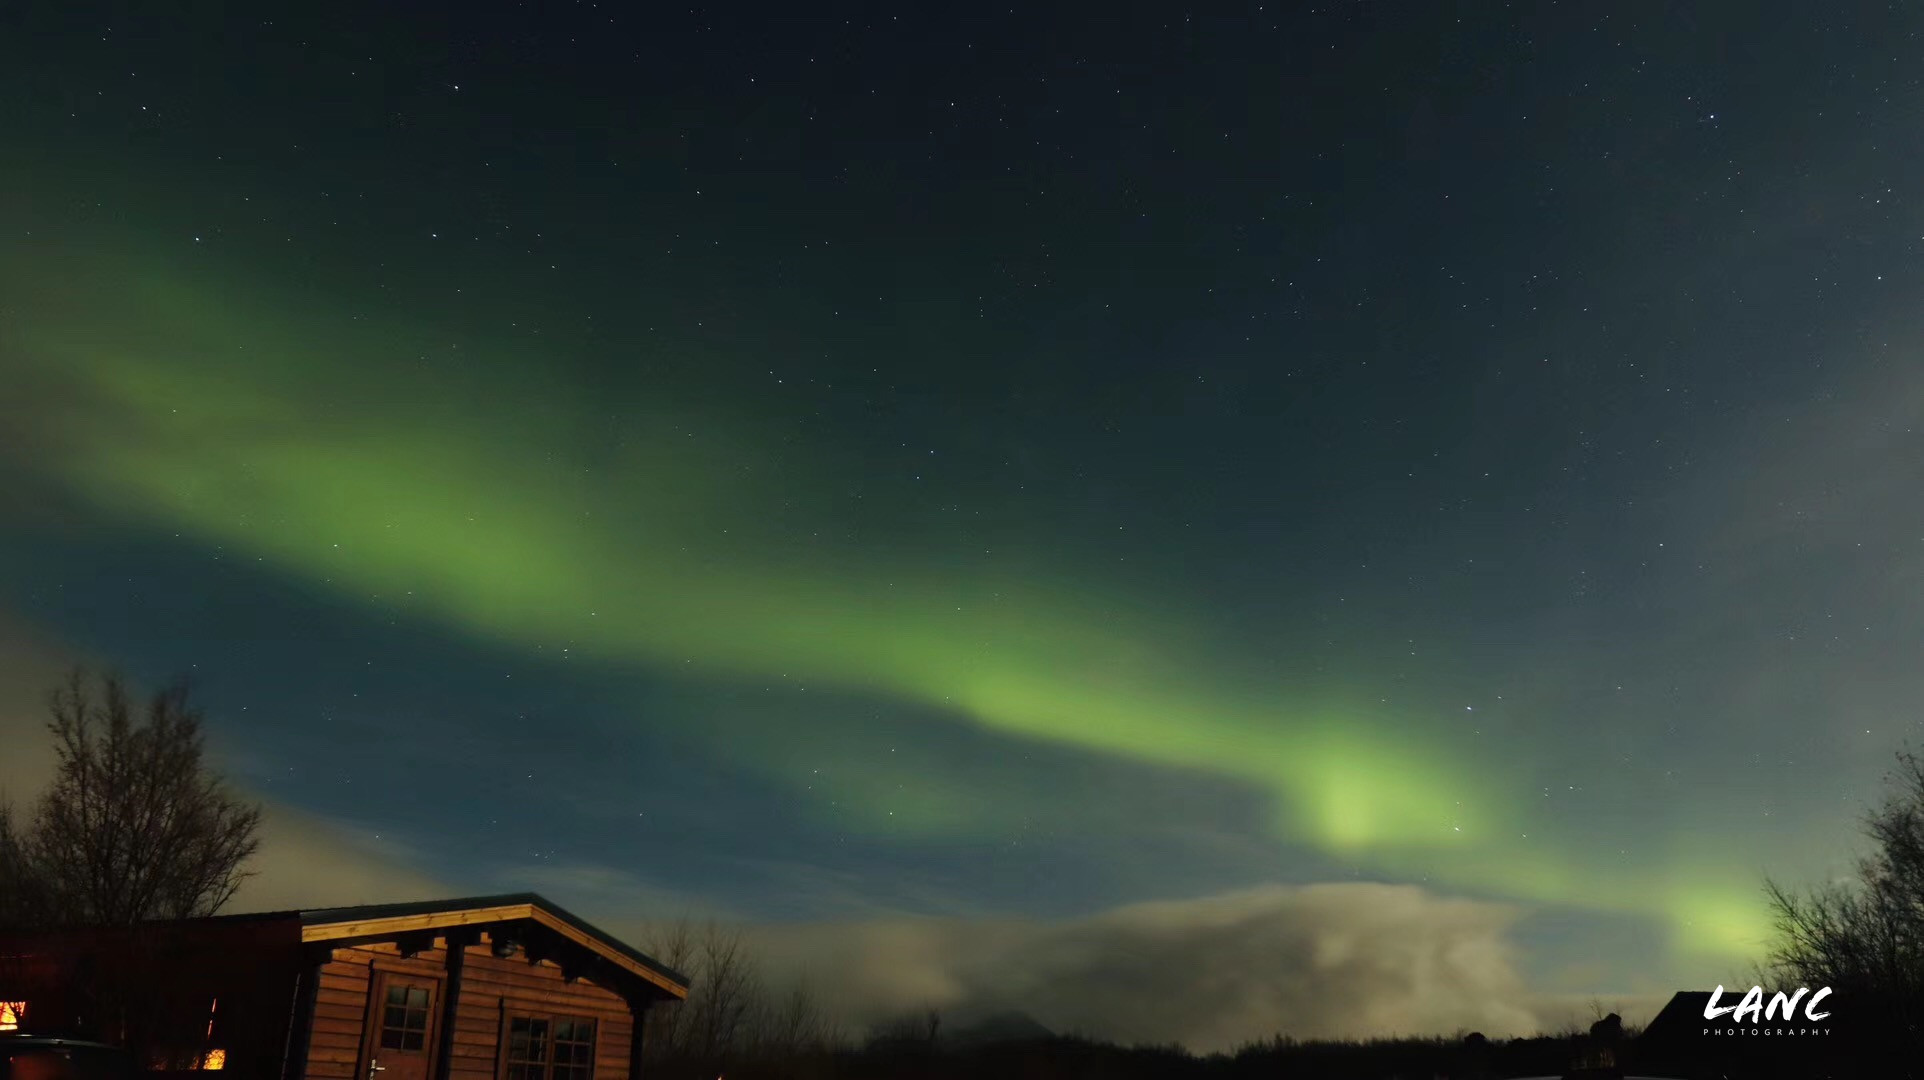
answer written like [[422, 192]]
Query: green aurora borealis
[[339, 459]]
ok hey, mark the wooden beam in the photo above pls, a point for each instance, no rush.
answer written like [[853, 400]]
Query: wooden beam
[[401, 924], [614, 956], [637, 1008], [457, 953], [301, 1022]]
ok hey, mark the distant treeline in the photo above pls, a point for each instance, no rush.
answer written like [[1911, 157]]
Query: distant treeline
[[1066, 1058]]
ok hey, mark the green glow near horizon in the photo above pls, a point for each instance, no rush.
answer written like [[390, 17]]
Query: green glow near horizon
[[484, 505]]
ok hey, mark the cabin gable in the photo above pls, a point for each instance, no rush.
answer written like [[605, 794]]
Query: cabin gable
[[494, 993]]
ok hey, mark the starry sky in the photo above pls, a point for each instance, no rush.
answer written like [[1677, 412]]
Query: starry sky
[[923, 483]]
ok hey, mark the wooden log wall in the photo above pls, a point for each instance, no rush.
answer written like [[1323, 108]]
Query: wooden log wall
[[491, 988]]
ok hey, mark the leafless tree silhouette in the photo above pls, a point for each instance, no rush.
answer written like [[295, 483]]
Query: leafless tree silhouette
[[1865, 938], [135, 826], [731, 1018]]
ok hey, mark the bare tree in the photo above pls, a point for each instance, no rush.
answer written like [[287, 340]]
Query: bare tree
[[1865, 939], [135, 826], [20, 899], [794, 1026], [726, 996], [710, 1028], [731, 1018]]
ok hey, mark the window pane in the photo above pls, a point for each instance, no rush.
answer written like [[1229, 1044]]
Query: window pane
[[404, 1021], [574, 1049], [527, 1040]]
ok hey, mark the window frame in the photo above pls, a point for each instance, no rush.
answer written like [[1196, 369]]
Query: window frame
[[407, 1011], [510, 1012]]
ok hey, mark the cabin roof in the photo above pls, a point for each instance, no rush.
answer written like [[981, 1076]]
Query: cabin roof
[[1683, 1013], [376, 921]]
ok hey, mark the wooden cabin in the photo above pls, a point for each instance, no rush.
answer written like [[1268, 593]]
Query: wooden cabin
[[489, 988]]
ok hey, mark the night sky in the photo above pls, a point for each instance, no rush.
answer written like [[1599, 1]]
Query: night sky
[[1414, 499]]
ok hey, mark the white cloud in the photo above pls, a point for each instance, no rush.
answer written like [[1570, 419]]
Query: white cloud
[[1316, 961], [308, 862]]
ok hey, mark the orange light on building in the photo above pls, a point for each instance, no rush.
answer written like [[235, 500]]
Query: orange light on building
[[215, 1058], [12, 1015]]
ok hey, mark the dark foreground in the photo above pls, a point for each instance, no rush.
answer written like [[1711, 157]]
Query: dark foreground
[[1061, 1058]]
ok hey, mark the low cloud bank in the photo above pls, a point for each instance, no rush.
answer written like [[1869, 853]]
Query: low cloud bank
[[310, 862], [1315, 961]]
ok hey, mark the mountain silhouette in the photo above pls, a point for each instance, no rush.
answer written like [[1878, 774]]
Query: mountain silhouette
[[998, 1028]]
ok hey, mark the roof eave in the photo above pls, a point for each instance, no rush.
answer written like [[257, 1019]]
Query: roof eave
[[376, 922]]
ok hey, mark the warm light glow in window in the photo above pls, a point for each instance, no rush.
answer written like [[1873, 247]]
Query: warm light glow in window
[[215, 1059], [12, 1015]]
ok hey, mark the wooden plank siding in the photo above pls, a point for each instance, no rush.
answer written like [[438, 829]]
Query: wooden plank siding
[[490, 988]]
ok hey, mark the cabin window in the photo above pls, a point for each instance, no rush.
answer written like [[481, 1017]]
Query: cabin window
[[404, 1025], [527, 1048], [12, 1015], [574, 1049], [550, 1048]]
